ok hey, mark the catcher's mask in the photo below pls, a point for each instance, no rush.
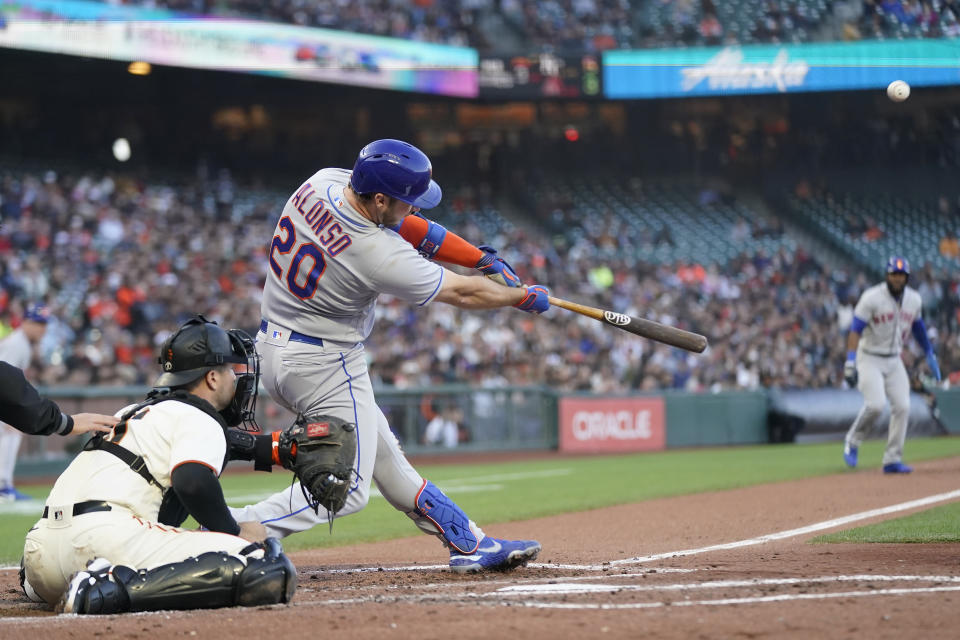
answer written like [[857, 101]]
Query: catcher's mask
[[200, 345]]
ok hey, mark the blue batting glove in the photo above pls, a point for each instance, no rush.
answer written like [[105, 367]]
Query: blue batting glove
[[932, 363], [536, 300], [496, 268]]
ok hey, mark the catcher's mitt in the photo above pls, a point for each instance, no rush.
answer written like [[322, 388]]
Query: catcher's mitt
[[320, 450]]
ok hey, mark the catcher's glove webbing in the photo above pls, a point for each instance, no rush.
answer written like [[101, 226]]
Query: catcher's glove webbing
[[320, 450]]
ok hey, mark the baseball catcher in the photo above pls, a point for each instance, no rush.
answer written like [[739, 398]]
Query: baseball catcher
[[110, 522]]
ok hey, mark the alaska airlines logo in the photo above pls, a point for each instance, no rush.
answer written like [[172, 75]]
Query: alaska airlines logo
[[727, 70], [619, 319]]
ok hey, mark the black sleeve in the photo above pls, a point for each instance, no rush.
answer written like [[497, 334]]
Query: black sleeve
[[199, 490], [23, 408], [242, 445]]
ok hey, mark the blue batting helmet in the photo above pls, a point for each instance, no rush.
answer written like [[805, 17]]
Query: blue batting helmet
[[898, 264], [397, 169]]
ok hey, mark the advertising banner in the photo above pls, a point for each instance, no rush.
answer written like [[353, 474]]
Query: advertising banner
[[99, 30], [595, 425], [831, 66]]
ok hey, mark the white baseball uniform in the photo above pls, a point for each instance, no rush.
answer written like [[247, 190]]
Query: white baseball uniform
[[880, 371], [15, 349], [327, 266], [166, 435]]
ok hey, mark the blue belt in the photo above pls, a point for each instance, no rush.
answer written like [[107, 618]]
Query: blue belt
[[295, 336]]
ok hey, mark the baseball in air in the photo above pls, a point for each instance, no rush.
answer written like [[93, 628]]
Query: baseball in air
[[898, 91]]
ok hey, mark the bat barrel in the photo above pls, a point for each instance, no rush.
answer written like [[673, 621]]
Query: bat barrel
[[666, 334], [639, 326]]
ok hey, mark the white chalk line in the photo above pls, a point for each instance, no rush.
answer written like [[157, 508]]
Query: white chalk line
[[478, 597], [813, 528], [828, 524], [490, 583], [731, 601], [565, 588]]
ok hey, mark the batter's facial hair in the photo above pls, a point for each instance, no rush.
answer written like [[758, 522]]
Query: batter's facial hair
[[895, 292]]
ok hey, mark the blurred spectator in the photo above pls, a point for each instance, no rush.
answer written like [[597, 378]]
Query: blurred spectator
[[444, 429], [125, 261], [950, 246]]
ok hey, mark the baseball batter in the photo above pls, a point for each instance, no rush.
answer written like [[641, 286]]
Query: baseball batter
[[343, 239], [17, 349], [883, 316], [108, 540]]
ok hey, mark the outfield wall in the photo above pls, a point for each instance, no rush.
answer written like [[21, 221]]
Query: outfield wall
[[537, 418]]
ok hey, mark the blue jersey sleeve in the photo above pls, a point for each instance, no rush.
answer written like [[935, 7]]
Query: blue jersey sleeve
[[919, 330], [858, 325]]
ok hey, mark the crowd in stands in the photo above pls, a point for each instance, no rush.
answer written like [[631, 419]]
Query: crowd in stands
[[884, 19], [594, 25], [122, 263]]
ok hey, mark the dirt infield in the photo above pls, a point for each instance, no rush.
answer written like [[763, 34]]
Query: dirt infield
[[731, 564]]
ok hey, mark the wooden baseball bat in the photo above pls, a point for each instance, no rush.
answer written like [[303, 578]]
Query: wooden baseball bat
[[639, 326]]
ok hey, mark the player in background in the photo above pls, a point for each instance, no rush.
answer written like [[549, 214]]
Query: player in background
[[883, 316], [343, 239], [21, 407], [108, 540]]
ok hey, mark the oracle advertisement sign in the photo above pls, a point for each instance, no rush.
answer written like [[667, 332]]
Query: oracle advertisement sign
[[598, 425]]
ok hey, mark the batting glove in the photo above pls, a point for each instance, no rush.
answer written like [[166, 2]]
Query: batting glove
[[496, 268], [932, 363], [536, 300], [850, 370]]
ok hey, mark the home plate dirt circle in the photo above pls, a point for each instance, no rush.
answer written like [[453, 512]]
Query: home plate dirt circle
[[725, 564]]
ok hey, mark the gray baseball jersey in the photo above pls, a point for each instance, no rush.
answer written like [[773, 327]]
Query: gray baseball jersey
[[328, 264], [880, 371], [16, 350], [888, 320]]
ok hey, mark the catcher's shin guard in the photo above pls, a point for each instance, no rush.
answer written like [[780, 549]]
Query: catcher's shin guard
[[208, 581], [451, 523]]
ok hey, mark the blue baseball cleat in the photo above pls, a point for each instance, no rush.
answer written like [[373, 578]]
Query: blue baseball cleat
[[10, 494], [896, 467], [850, 455], [494, 554]]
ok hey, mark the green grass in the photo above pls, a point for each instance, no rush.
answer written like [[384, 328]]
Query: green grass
[[490, 494], [938, 524]]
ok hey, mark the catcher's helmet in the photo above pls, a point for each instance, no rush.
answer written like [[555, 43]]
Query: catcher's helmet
[[199, 346], [397, 169], [898, 264], [195, 348]]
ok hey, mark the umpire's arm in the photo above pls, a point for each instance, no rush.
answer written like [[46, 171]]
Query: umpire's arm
[[22, 407]]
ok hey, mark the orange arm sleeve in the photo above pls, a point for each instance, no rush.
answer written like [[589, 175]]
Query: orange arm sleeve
[[453, 249]]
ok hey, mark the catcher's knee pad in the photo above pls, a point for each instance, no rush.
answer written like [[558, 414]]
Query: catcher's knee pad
[[25, 585], [321, 451], [268, 580], [452, 523]]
